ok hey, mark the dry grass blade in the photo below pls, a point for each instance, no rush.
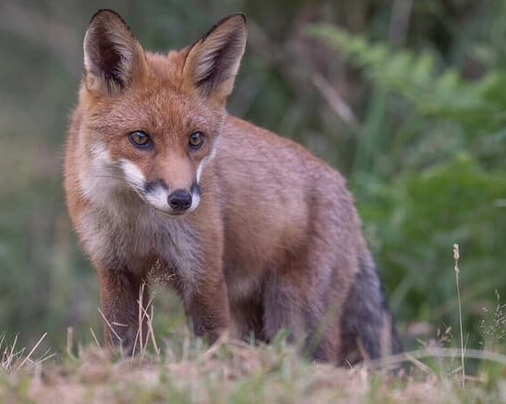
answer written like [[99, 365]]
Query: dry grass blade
[[9, 355], [456, 256], [334, 100], [140, 333], [151, 331], [95, 338], [420, 365], [70, 343], [111, 328], [437, 353], [27, 357], [144, 315]]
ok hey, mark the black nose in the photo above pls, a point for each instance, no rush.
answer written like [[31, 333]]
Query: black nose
[[180, 200]]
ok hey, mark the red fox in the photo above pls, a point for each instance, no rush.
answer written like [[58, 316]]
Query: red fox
[[256, 233]]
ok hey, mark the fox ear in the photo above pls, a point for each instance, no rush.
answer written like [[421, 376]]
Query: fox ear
[[113, 58], [212, 62]]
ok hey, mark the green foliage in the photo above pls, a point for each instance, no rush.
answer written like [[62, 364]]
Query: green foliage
[[416, 219], [475, 107], [452, 187]]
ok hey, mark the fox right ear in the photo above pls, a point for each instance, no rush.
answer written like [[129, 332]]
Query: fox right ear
[[213, 61], [113, 58]]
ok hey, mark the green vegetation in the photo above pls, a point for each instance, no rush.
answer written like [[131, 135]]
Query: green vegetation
[[431, 172], [236, 373]]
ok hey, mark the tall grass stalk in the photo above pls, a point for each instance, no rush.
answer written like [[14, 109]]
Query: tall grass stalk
[[456, 256]]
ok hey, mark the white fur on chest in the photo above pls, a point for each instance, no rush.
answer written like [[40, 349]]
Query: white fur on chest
[[127, 232], [118, 228]]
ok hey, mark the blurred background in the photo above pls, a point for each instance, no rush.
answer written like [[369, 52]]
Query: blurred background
[[406, 97]]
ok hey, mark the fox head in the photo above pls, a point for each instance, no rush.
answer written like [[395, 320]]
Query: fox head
[[151, 122]]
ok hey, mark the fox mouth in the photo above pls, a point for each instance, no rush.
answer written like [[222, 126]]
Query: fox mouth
[[168, 213]]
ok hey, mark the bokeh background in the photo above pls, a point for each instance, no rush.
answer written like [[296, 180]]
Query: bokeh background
[[406, 97]]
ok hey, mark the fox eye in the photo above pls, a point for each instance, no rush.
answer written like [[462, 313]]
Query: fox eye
[[139, 139], [196, 139]]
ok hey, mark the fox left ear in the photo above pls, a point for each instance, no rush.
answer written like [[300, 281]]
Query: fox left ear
[[113, 58], [213, 61]]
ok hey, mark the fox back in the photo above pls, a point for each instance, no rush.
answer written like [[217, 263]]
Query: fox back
[[255, 233]]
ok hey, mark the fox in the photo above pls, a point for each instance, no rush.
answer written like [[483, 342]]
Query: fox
[[255, 234]]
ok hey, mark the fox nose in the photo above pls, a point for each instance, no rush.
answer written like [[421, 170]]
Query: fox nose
[[180, 200]]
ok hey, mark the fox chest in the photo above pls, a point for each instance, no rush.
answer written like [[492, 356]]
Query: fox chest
[[136, 239]]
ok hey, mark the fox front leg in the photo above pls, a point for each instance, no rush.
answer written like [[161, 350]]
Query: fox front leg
[[207, 308], [120, 301]]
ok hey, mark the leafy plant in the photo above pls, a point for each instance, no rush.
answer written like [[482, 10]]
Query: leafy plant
[[433, 175]]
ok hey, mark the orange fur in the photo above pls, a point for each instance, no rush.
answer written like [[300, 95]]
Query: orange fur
[[275, 241]]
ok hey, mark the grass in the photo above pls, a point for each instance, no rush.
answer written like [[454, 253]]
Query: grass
[[13, 359], [456, 256], [236, 372], [187, 371], [184, 370]]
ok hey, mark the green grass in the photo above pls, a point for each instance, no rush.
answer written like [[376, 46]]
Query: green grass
[[175, 367], [234, 372]]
